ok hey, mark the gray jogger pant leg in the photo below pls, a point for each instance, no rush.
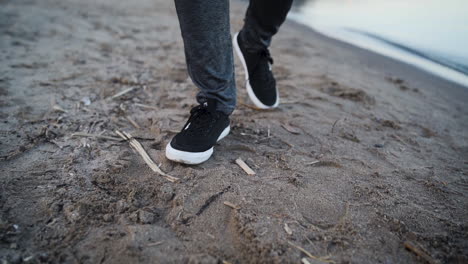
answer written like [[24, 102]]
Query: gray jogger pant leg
[[205, 30]]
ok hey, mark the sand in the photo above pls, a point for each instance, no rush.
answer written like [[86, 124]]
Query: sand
[[365, 157]]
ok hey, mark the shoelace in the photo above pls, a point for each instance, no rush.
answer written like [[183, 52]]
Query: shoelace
[[200, 122], [263, 56], [262, 70], [265, 53]]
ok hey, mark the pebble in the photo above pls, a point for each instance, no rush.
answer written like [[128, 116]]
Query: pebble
[[71, 213], [133, 217], [107, 217], [85, 100], [167, 192], [122, 206], [145, 217]]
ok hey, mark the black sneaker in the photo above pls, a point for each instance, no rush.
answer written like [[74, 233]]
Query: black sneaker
[[194, 143], [260, 83]]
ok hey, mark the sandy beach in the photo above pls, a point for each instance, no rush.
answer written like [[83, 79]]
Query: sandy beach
[[365, 160]]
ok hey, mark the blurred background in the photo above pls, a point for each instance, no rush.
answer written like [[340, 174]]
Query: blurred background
[[430, 34]]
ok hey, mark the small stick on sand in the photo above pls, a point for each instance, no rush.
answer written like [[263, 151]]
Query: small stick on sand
[[305, 261], [287, 229], [79, 134], [155, 244], [123, 92], [308, 254], [73, 76], [59, 108], [287, 143], [147, 106], [245, 167], [419, 252], [334, 124], [291, 129], [233, 206], [139, 148], [135, 124], [312, 162]]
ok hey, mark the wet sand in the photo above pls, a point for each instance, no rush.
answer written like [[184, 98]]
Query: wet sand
[[365, 157]]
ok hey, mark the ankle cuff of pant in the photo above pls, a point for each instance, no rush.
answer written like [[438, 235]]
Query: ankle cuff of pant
[[225, 107], [225, 110], [252, 39]]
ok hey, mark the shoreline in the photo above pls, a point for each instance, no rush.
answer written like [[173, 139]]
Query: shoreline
[[366, 29], [364, 155], [421, 73]]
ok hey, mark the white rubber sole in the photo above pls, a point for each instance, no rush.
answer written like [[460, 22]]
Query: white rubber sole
[[250, 92], [192, 158]]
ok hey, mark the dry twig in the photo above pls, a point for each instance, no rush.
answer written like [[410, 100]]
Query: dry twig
[[155, 244], [287, 229], [139, 148], [291, 129], [334, 124], [123, 92], [146, 106], [233, 206], [79, 134], [70, 77], [312, 162], [133, 122], [419, 252], [58, 108], [245, 167], [308, 254]]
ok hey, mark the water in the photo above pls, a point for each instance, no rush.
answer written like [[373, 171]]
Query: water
[[430, 34]]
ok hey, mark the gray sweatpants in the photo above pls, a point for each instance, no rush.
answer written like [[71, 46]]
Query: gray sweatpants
[[205, 30]]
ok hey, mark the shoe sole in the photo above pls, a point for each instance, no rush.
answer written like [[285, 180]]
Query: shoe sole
[[250, 92], [192, 158]]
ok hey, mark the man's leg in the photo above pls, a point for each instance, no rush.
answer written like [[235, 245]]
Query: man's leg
[[205, 30], [262, 20], [208, 53]]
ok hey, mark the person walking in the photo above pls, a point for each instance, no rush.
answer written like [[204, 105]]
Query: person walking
[[208, 47]]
